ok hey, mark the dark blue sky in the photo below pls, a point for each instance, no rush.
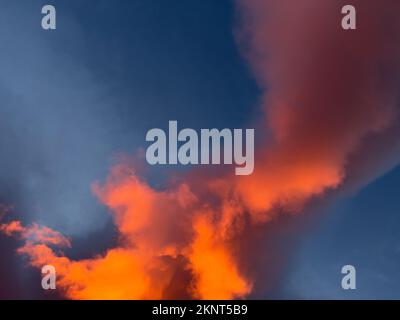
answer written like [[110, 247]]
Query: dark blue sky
[[73, 98], [363, 231]]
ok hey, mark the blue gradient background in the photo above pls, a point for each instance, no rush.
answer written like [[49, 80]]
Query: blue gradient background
[[72, 99]]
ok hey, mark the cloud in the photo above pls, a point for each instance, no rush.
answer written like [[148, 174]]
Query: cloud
[[326, 92]]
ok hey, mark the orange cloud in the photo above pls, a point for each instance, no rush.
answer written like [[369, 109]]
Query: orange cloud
[[326, 92]]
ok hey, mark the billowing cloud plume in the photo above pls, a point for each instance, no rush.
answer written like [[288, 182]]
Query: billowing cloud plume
[[327, 93]]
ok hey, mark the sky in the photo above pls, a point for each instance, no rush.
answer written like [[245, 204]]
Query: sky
[[74, 100], [360, 230]]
